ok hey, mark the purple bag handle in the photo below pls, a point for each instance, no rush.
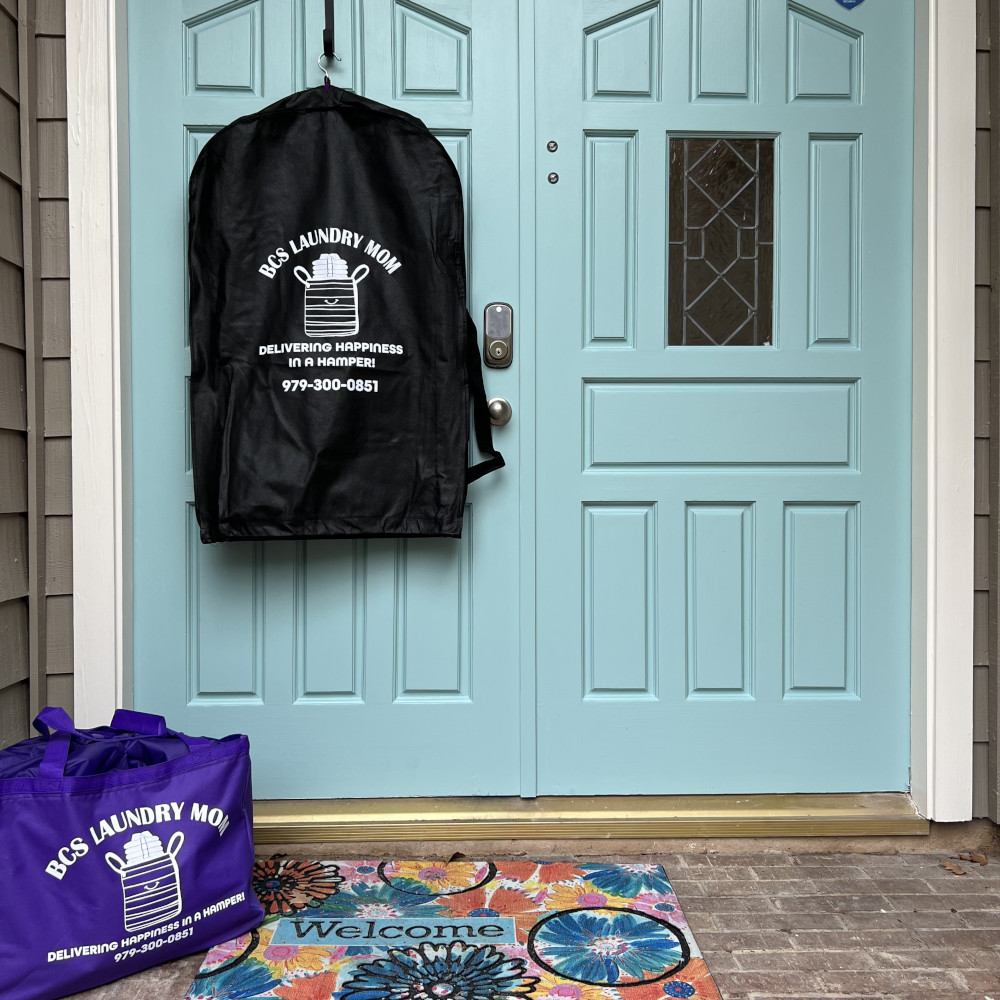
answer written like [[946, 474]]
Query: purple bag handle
[[152, 725], [124, 718], [139, 722], [53, 763], [56, 718]]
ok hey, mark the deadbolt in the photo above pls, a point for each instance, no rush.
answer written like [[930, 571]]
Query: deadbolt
[[500, 411], [498, 335], [553, 178], [552, 145]]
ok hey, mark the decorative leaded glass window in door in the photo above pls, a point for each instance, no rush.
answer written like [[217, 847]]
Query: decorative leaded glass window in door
[[721, 235]]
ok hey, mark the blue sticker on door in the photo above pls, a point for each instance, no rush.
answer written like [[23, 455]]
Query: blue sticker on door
[[850, 4]]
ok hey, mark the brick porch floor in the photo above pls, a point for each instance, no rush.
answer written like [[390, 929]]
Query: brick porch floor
[[844, 925], [814, 926]]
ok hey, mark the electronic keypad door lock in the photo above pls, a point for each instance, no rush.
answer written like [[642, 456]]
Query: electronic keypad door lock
[[498, 335]]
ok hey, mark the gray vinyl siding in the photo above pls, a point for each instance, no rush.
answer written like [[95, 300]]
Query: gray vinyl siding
[[15, 661], [36, 648], [52, 331], [986, 629], [53, 202]]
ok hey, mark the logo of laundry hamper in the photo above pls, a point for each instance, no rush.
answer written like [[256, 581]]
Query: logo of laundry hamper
[[151, 880], [331, 298]]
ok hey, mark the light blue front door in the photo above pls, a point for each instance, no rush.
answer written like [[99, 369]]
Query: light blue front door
[[693, 575], [357, 669], [723, 531]]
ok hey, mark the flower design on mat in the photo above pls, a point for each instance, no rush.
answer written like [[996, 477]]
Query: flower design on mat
[[580, 895], [289, 886], [552, 987], [297, 959], [432, 878], [320, 987], [247, 980], [226, 952], [454, 971], [282, 958], [608, 947], [373, 902], [658, 904], [533, 872], [628, 880], [694, 977], [491, 901], [359, 871]]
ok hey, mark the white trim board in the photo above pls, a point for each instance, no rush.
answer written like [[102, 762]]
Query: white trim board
[[98, 231], [943, 409], [943, 367]]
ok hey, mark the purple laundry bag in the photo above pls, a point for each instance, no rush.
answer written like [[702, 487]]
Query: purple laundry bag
[[120, 847]]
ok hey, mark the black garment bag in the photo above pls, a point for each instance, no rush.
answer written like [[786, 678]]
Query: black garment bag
[[332, 355]]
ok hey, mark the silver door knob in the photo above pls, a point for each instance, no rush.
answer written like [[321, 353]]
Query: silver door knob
[[500, 411]]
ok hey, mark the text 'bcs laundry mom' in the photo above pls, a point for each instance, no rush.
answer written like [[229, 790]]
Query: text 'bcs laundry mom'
[[164, 812], [334, 237]]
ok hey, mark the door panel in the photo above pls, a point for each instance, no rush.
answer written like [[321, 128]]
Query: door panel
[[313, 648], [723, 466]]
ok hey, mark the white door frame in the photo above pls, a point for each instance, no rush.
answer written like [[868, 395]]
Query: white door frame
[[943, 367]]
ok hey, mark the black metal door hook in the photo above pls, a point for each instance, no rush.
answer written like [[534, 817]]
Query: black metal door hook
[[328, 38]]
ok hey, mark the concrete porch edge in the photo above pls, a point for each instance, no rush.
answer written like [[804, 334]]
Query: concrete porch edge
[[587, 817]]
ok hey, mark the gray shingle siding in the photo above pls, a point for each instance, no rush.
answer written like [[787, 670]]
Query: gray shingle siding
[[36, 649]]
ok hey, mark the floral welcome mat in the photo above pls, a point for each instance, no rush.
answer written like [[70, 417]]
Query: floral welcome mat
[[407, 930]]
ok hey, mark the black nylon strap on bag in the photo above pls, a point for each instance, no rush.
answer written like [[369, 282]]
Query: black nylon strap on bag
[[480, 410], [334, 365]]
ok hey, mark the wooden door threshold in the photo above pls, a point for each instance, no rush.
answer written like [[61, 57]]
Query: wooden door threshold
[[587, 817]]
